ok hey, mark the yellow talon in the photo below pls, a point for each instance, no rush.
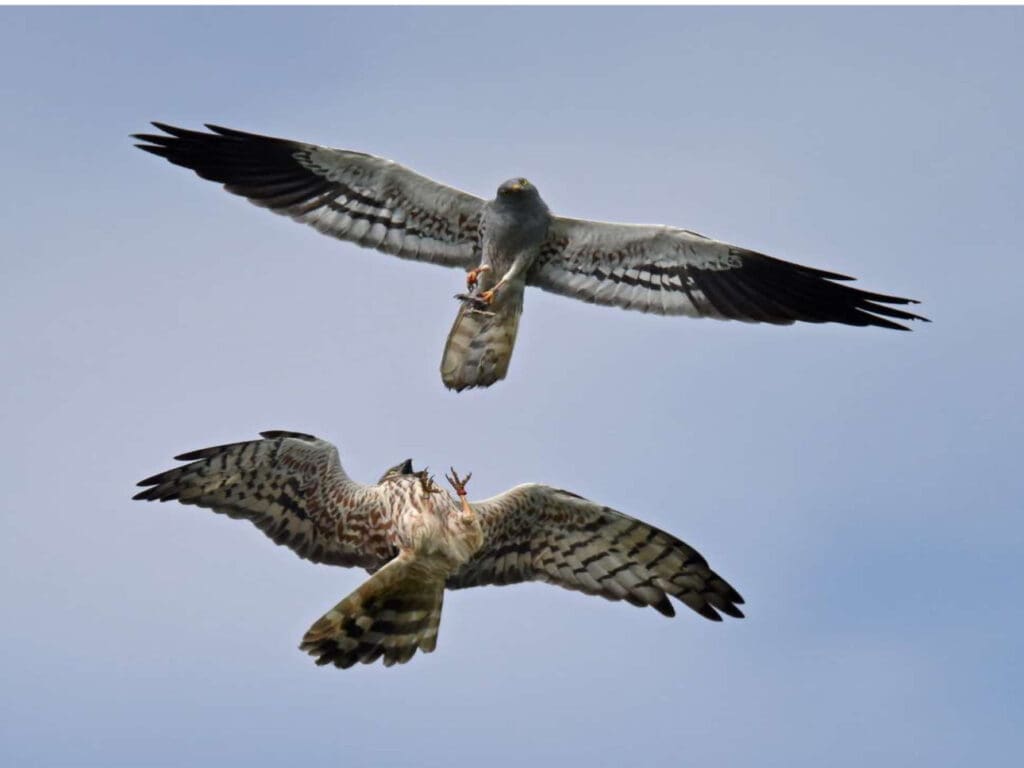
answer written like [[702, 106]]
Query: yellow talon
[[473, 276]]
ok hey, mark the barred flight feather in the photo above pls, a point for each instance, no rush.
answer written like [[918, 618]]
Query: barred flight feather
[[566, 540], [368, 200], [390, 616], [417, 541], [678, 272], [376, 203], [479, 346], [289, 485]]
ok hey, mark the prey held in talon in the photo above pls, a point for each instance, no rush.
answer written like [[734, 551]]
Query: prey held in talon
[[514, 241], [416, 541]]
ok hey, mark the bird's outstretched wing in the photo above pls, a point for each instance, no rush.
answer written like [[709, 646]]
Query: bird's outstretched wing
[[293, 488], [539, 533], [676, 272], [368, 200]]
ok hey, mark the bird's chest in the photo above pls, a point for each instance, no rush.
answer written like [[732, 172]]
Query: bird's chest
[[505, 245], [436, 528]]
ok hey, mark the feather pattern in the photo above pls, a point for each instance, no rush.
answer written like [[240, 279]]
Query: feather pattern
[[480, 343], [350, 195], [538, 533], [293, 488], [672, 271], [377, 203], [417, 541], [390, 616]]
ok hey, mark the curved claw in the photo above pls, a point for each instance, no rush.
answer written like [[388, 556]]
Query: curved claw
[[459, 484], [427, 481], [473, 276]]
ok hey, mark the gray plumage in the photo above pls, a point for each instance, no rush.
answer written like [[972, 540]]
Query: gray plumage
[[512, 230], [514, 239]]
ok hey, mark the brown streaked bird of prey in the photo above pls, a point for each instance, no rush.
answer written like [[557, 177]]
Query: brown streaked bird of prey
[[513, 241], [417, 541]]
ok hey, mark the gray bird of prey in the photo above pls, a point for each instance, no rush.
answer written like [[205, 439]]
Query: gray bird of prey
[[417, 541], [513, 241]]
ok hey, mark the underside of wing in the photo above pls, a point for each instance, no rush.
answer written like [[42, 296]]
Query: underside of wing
[[677, 272], [357, 197], [292, 487], [538, 533]]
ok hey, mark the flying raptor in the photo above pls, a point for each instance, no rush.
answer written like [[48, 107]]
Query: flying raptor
[[417, 541], [513, 241]]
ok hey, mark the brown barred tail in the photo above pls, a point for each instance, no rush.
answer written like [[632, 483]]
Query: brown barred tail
[[480, 344], [391, 616]]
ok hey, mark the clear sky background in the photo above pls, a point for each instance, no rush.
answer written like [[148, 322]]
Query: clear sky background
[[861, 487]]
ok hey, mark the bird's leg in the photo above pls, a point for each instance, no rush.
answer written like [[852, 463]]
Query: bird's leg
[[477, 302], [486, 298], [483, 301], [473, 276], [459, 484], [520, 264]]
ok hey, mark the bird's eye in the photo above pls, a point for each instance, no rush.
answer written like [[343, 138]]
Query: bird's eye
[[524, 183]]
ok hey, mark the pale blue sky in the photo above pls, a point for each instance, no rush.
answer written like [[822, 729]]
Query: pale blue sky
[[860, 487]]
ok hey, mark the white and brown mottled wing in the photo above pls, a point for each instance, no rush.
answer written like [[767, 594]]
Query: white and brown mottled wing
[[293, 488], [677, 272], [350, 195], [539, 533]]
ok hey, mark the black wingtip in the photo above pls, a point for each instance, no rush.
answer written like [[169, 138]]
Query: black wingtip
[[883, 323], [153, 149], [222, 131], [151, 480], [149, 494], [171, 130], [664, 607], [710, 614], [272, 434], [731, 610]]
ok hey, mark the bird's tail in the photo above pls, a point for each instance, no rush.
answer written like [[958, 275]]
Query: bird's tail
[[480, 344], [396, 612]]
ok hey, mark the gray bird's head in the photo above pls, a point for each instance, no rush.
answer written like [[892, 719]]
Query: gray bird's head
[[517, 190], [405, 468]]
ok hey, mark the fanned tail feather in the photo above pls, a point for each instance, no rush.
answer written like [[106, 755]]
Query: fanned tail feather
[[480, 344], [391, 616]]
